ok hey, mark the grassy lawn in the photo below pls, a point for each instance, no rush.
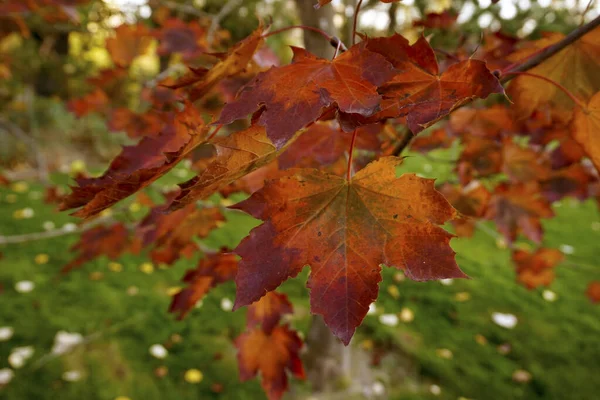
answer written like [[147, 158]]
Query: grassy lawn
[[445, 330]]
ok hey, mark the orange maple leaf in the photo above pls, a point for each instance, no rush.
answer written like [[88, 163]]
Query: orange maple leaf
[[271, 355], [129, 42], [586, 128], [536, 269], [344, 231], [575, 67]]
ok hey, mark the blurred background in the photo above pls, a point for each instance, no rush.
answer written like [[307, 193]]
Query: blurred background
[[76, 84]]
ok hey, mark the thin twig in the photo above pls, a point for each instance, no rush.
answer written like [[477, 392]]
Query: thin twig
[[403, 143], [65, 230], [333, 40], [355, 21], [184, 8]]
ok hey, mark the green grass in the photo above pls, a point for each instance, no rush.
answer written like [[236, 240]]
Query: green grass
[[557, 342]]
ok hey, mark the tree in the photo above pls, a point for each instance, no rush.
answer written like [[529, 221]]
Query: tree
[[318, 150]]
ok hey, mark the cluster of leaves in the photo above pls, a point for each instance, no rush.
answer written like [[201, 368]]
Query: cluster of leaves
[[306, 127]]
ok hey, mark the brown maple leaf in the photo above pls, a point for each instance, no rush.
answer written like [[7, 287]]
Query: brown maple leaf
[[418, 92], [573, 180], [231, 64], [271, 355], [110, 241], [212, 270], [471, 202], [95, 101], [518, 208], [586, 128], [536, 269], [295, 95], [344, 231], [523, 164], [173, 234], [138, 166], [135, 125], [575, 67], [178, 36], [129, 42], [267, 311]]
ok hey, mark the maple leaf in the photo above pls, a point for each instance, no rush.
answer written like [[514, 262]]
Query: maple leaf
[[110, 241], [418, 91], [518, 208], [178, 36], [536, 269], [212, 270], [294, 95], [573, 180], [470, 201], [172, 234], [344, 231], [586, 128], [444, 20], [593, 291], [484, 122], [130, 41], [138, 166], [523, 164], [96, 100], [437, 139], [575, 67], [267, 311], [237, 155], [271, 355], [135, 125], [233, 63], [480, 157], [323, 143]]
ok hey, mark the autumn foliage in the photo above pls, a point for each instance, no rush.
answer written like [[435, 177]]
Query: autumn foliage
[[317, 143]]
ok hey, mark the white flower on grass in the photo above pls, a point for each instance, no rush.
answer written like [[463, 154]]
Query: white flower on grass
[[48, 225], [27, 213], [372, 309], [19, 355], [389, 319], [24, 286], [72, 376], [378, 388], [567, 249], [158, 351], [507, 321], [446, 282], [69, 227], [6, 375], [226, 304], [6, 332], [549, 295], [65, 341], [435, 390]]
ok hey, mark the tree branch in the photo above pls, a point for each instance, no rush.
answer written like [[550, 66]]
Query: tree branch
[[552, 50]]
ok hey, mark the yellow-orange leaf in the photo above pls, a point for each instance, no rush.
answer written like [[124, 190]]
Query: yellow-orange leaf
[[587, 129]]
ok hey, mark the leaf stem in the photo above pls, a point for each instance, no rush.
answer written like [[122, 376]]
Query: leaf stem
[[558, 85], [333, 40], [212, 135], [350, 152], [355, 20]]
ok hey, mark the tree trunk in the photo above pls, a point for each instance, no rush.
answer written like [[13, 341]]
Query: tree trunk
[[322, 19]]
